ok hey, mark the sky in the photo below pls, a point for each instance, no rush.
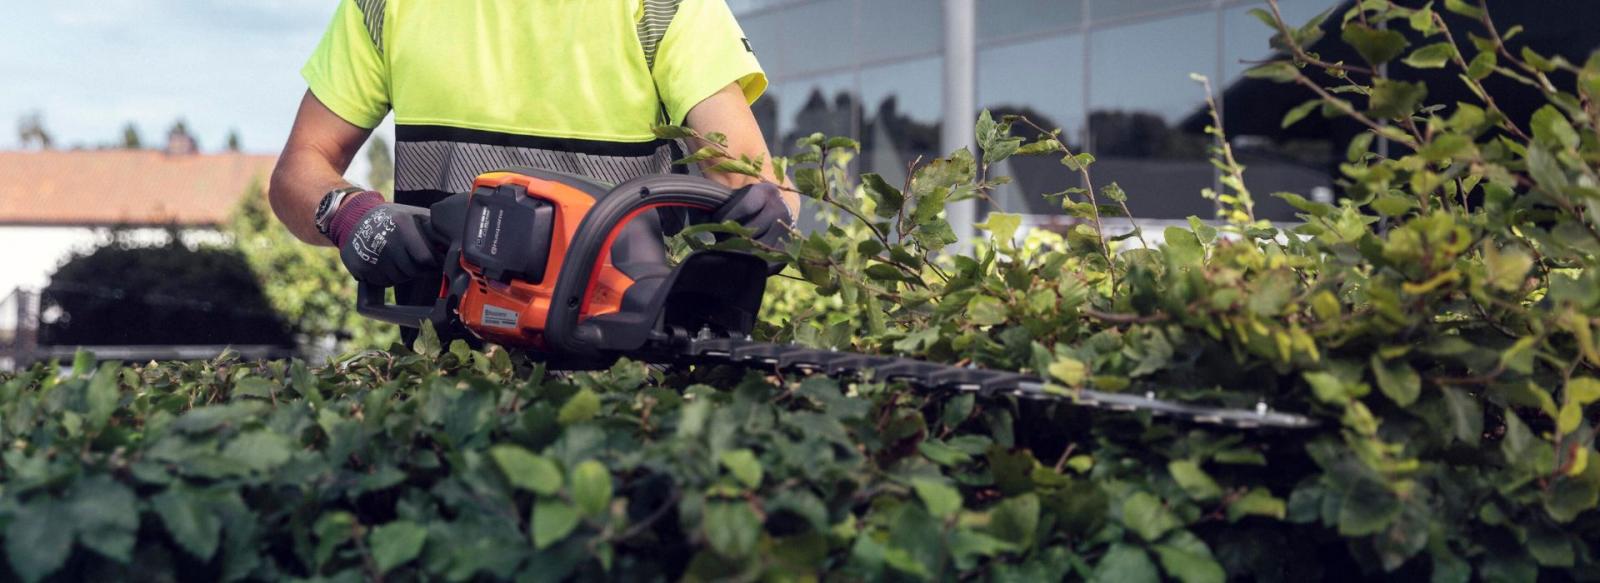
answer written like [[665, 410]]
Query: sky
[[91, 67]]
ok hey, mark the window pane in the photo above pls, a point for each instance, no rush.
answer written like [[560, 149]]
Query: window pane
[[1042, 80], [1106, 10], [1011, 18], [1302, 158], [1139, 96], [1244, 38], [900, 28], [766, 113], [903, 109], [765, 33], [806, 106], [818, 36], [819, 104]]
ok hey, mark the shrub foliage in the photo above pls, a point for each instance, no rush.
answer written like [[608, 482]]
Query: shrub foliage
[[1439, 321]]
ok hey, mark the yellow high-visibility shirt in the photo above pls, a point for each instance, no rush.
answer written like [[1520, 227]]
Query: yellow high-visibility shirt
[[567, 85]]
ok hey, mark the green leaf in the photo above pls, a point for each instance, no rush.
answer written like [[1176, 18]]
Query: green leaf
[[732, 528], [1433, 56], [1004, 227], [1279, 71], [1183, 247], [581, 407], [37, 543], [1550, 547], [552, 520], [1397, 380], [260, 450], [1507, 268], [1582, 390], [591, 488], [1517, 439], [1367, 508], [1257, 502], [1569, 496], [1552, 130], [1300, 112], [744, 466], [887, 199], [1125, 564], [103, 395], [673, 132], [942, 500], [1570, 417], [1068, 370], [1194, 480], [986, 311], [1392, 99], [1145, 514], [1377, 46], [1466, 416], [809, 181], [1482, 65], [1016, 519], [396, 543], [527, 470], [1463, 8], [1186, 558], [427, 342], [190, 522], [105, 515]]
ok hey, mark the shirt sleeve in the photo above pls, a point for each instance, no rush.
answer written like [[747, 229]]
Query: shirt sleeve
[[703, 51], [348, 73]]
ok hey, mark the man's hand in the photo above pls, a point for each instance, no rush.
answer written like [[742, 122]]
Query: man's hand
[[386, 245], [761, 208]]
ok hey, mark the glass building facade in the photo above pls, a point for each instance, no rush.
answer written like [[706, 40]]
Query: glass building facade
[[1113, 75]]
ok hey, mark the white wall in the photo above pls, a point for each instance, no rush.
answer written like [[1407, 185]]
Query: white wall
[[28, 255]]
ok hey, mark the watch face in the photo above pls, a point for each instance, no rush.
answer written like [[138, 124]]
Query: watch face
[[324, 212]]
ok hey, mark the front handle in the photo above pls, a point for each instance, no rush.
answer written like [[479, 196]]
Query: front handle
[[593, 239], [443, 225], [370, 302]]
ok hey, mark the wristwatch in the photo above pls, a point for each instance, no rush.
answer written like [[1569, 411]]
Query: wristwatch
[[330, 206]]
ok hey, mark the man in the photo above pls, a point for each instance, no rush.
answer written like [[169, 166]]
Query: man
[[478, 85]]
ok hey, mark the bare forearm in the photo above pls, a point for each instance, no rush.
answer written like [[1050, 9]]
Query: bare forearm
[[727, 113], [298, 185], [312, 163]]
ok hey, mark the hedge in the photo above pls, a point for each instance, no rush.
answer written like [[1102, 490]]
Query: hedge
[[1439, 321]]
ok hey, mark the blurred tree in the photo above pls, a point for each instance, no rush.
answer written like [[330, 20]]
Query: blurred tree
[[169, 294], [31, 132], [130, 137], [234, 143], [380, 174]]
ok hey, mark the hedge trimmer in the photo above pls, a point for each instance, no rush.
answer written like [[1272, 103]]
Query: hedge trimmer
[[553, 264]]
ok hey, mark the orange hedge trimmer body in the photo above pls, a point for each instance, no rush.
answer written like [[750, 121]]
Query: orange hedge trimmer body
[[558, 265]]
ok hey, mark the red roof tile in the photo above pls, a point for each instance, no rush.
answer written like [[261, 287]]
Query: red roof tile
[[126, 187]]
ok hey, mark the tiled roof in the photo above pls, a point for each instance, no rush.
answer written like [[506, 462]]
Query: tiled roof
[[125, 187]]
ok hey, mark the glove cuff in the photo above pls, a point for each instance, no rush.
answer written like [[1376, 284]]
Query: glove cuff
[[350, 214]]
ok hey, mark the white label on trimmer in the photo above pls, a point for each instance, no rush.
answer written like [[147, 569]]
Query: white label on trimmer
[[499, 317]]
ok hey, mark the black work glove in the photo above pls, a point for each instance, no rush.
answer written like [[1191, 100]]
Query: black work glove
[[759, 207], [388, 246]]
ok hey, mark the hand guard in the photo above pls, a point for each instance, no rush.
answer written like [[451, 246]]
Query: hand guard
[[389, 246]]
